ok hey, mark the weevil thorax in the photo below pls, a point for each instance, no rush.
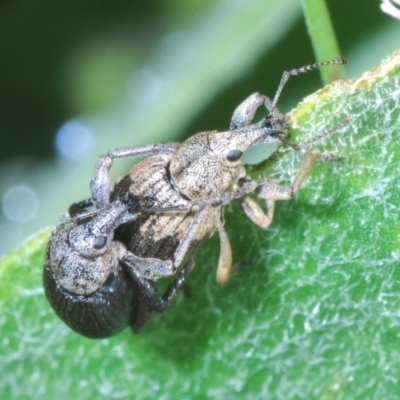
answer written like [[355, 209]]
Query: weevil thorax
[[212, 162]]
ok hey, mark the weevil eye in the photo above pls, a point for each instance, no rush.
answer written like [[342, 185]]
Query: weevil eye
[[99, 242], [234, 155]]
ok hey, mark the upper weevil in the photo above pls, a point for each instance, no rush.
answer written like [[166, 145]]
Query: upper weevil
[[199, 176]]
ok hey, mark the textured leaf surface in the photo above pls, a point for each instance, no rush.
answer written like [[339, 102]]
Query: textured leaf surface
[[313, 311]]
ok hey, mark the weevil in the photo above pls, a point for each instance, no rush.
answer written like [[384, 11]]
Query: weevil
[[94, 284], [201, 175], [101, 265]]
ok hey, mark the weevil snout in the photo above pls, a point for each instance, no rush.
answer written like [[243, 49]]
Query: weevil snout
[[94, 237]]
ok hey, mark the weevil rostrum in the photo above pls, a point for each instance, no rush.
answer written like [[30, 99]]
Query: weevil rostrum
[[150, 224]]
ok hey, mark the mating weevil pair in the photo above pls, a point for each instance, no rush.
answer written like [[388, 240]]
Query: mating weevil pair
[[101, 265]]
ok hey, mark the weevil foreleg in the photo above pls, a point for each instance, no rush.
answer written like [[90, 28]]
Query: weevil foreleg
[[271, 192], [244, 113]]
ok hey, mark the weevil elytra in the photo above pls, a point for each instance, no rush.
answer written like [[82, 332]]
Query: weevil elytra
[[162, 211]]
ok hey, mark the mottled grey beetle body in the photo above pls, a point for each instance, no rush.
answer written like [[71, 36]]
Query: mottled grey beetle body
[[100, 295], [94, 284], [98, 300], [203, 173], [101, 265], [159, 235], [198, 178]]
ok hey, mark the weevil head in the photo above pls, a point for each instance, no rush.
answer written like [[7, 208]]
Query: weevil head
[[81, 253], [212, 162], [74, 272], [92, 236], [229, 146]]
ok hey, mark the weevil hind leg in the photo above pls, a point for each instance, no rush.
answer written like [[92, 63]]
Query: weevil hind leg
[[177, 284], [225, 256]]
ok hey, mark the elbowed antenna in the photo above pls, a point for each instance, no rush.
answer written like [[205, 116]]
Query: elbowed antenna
[[287, 74]]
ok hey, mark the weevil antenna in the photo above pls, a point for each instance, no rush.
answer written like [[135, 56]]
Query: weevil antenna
[[300, 146], [287, 74]]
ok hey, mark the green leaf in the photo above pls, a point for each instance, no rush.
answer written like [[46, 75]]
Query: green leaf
[[312, 311]]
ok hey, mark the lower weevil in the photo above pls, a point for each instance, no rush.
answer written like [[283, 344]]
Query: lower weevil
[[95, 285]]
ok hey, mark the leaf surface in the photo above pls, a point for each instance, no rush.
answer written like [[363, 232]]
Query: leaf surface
[[312, 312]]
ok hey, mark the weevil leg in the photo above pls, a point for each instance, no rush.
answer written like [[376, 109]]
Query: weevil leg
[[256, 213], [148, 268], [270, 192], [100, 183], [176, 285], [152, 302], [309, 159], [225, 256], [145, 150], [244, 113], [197, 223], [273, 191]]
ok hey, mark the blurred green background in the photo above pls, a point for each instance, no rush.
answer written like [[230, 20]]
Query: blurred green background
[[80, 78]]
